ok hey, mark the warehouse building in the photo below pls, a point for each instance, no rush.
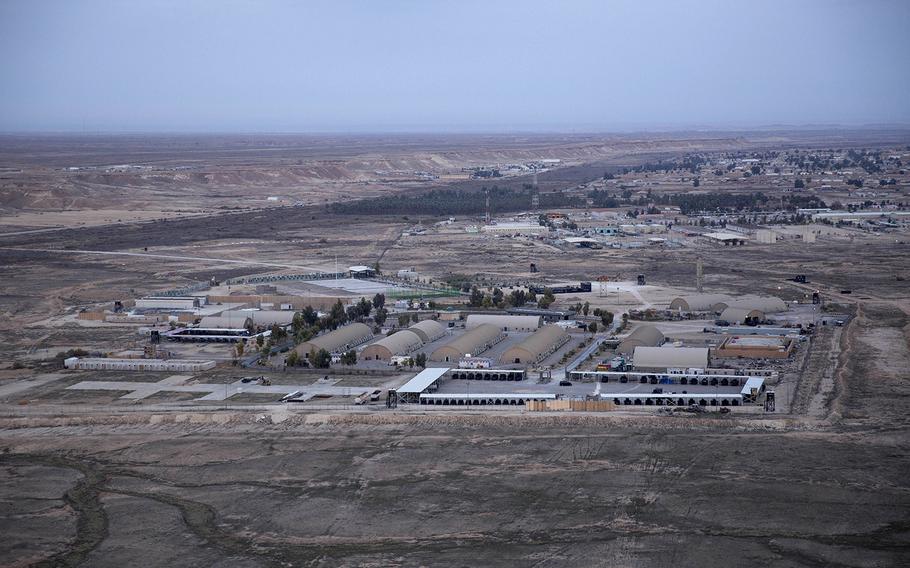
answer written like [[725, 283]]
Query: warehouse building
[[337, 341], [701, 303], [110, 364], [428, 330], [474, 341], [399, 343], [642, 336], [241, 319], [227, 320], [542, 343], [661, 358], [756, 347], [169, 302], [504, 322], [516, 228], [727, 239], [268, 318], [741, 316]]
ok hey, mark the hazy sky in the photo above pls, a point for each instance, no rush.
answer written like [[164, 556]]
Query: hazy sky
[[233, 65]]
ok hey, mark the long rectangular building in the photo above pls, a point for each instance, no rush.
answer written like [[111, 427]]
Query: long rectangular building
[[111, 364]]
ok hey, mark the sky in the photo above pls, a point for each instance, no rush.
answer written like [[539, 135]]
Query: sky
[[459, 66]]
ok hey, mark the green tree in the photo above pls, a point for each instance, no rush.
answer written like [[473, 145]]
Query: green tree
[[321, 359], [292, 359], [696, 182], [380, 316], [798, 183], [278, 333], [338, 313], [592, 327], [606, 318], [403, 320], [476, 298], [586, 308], [487, 301], [379, 301], [547, 299], [364, 307], [497, 297], [349, 357], [309, 315], [421, 360]]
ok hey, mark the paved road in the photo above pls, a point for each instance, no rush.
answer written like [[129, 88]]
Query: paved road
[[138, 390], [22, 385]]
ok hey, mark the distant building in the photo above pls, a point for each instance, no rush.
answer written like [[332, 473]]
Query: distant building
[[516, 228], [111, 364], [361, 271], [504, 322]]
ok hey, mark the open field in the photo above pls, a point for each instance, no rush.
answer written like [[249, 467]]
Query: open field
[[90, 477]]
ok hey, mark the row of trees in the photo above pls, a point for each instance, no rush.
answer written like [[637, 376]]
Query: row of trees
[[514, 299], [454, 202]]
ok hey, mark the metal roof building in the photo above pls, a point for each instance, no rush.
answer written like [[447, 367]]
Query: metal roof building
[[701, 303], [504, 322], [268, 318], [765, 304], [412, 390], [428, 330], [399, 343], [227, 320], [670, 357], [474, 341], [341, 339], [238, 319], [542, 343], [741, 315], [642, 336]]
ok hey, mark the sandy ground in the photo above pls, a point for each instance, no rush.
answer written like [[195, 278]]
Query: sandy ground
[[90, 479]]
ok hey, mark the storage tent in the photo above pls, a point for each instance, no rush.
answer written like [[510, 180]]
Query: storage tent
[[504, 322], [700, 303], [399, 343], [428, 330], [642, 336], [739, 316], [474, 341], [542, 343], [336, 341], [764, 304]]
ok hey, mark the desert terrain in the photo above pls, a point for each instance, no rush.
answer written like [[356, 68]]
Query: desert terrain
[[90, 478]]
